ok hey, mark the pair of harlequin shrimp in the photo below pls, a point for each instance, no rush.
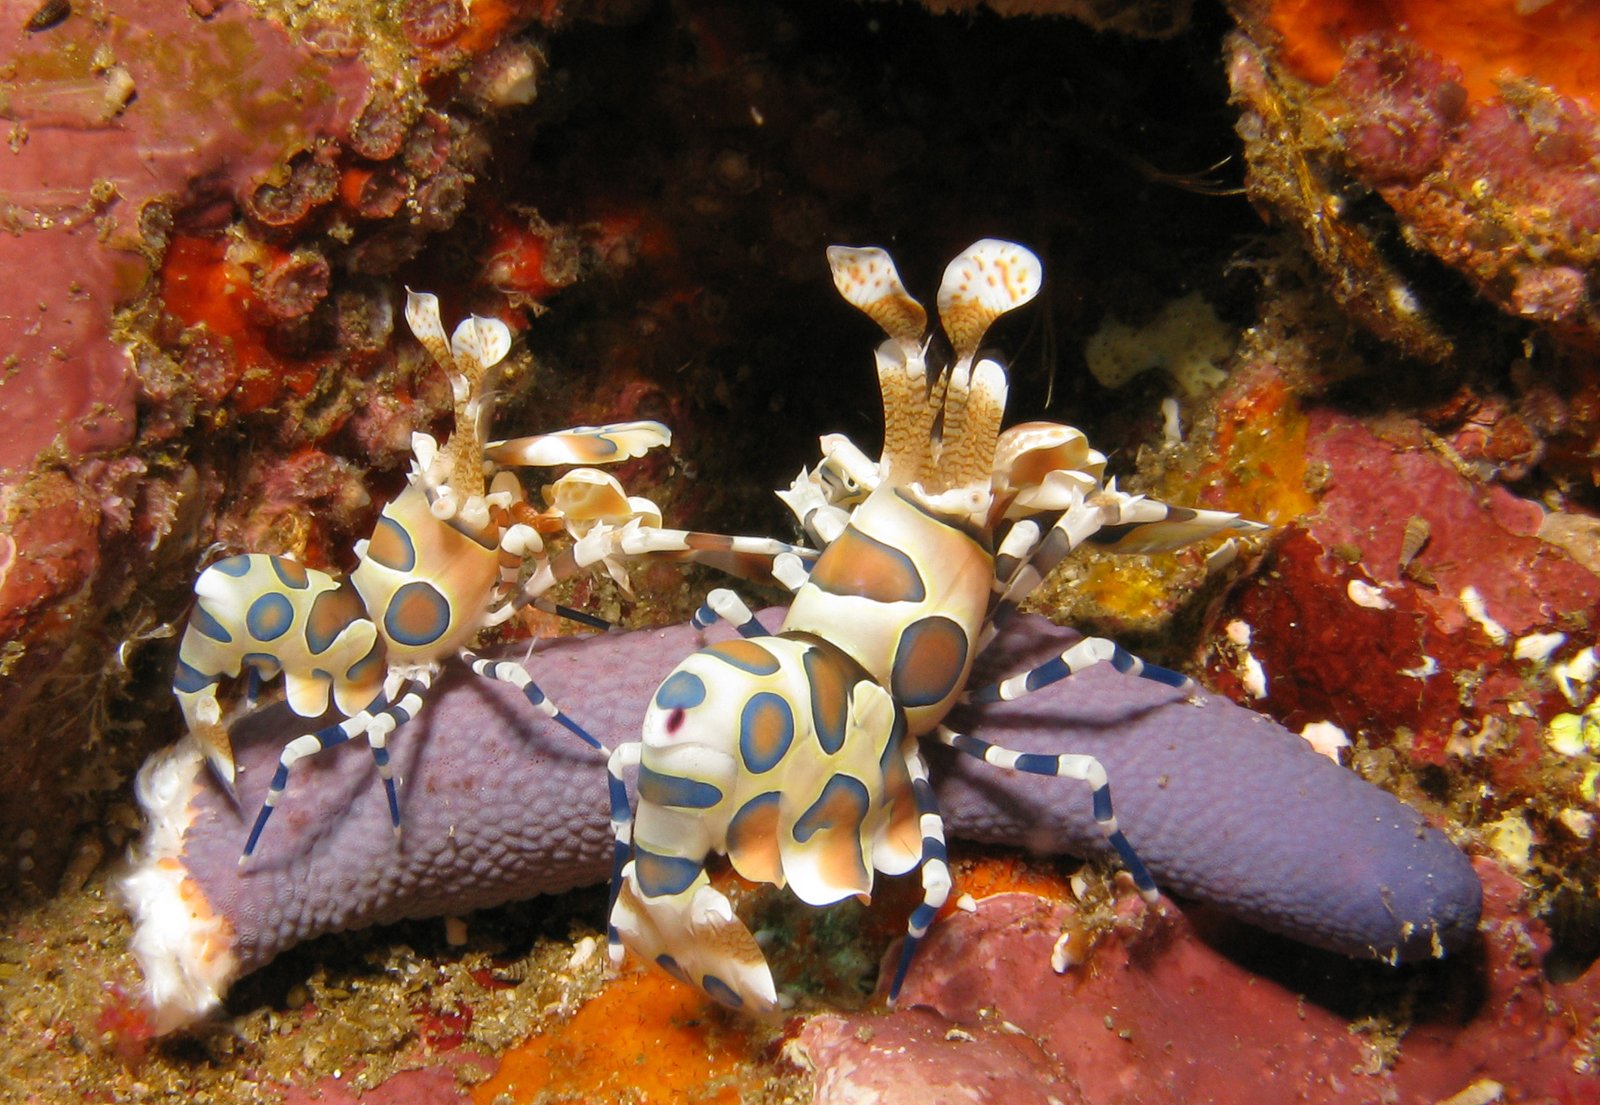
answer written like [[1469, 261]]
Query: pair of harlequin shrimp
[[796, 753], [442, 564]]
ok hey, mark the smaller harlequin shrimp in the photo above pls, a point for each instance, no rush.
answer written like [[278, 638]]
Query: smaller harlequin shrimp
[[442, 564]]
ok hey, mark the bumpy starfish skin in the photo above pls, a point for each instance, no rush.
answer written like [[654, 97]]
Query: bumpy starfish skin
[[1224, 805]]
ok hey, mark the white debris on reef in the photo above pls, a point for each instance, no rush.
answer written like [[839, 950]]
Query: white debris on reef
[[1472, 603], [1538, 647], [1512, 839], [1221, 556], [1428, 666], [1326, 738], [1574, 734], [1249, 670], [1580, 823], [1574, 674], [1365, 594], [1186, 339], [582, 952], [1062, 955], [1485, 1091], [1171, 423]]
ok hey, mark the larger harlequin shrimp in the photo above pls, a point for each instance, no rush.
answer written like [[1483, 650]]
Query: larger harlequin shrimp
[[796, 753], [442, 564]]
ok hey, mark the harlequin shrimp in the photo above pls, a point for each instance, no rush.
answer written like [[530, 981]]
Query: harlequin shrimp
[[442, 564], [796, 753]]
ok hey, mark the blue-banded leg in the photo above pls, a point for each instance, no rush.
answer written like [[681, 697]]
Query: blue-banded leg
[[375, 724], [1084, 654], [933, 864], [507, 671], [1066, 765], [622, 757], [722, 604]]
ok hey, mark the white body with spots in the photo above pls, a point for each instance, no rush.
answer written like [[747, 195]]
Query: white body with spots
[[796, 753], [442, 564], [904, 593]]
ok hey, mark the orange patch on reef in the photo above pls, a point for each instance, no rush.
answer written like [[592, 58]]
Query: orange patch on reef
[[1488, 40], [1258, 465], [644, 1038], [1128, 588], [984, 876], [489, 20], [519, 256], [200, 286]]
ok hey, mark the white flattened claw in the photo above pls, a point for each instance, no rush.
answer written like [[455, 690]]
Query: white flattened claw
[[587, 495], [422, 315], [1029, 450], [1151, 526], [696, 936], [1057, 492], [609, 444], [868, 280], [643, 511], [479, 341], [988, 279], [635, 439]]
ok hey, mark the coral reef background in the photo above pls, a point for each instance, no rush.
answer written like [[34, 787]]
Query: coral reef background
[[1387, 212]]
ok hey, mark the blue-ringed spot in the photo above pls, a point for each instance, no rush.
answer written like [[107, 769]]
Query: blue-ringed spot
[[929, 661], [204, 624], [832, 827], [291, 573], [842, 805], [332, 612], [418, 614], [766, 729], [269, 617], [748, 656], [683, 690], [856, 564], [391, 546], [660, 875], [753, 838], [674, 790], [829, 675], [235, 566]]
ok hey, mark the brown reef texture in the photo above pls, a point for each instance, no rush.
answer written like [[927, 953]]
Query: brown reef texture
[[1407, 139], [119, 118], [203, 207]]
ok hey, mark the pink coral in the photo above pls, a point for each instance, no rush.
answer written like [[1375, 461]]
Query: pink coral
[[80, 183], [1403, 105], [1541, 151], [1177, 1008], [917, 1057], [1479, 131]]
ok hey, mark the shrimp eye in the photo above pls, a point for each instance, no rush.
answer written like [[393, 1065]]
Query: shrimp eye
[[675, 719]]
